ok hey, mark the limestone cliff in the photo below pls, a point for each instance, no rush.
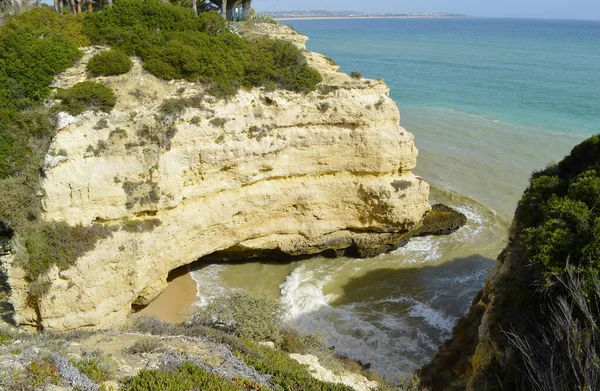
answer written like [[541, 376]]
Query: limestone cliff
[[264, 170], [534, 326], [479, 355]]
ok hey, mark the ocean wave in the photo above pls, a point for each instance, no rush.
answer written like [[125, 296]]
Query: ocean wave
[[343, 329], [418, 309], [419, 250], [432, 317], [208, 283]]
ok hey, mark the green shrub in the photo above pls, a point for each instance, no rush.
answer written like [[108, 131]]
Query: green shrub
[[147, 324], [97, 368], [146, 225], [559, 216], [356, 75], [141, 193], [42, 372], [175, 44], [32, 51], [187, 377], [243, 316], [145, 345], [287, 373], [44, 21], [87, 95], [5, 337], [25, 139], [109, 63], [51, 243], [173, 106]]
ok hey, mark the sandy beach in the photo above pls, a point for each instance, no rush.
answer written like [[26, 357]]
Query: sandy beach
[[176, 303]]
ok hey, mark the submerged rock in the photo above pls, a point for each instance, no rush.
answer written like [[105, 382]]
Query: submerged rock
[[442, 220]]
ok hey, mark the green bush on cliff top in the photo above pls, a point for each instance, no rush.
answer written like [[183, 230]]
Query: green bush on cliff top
[[176, 44], [560, 215], [109, 63], [172, 42], [32, 51], [87, 95]]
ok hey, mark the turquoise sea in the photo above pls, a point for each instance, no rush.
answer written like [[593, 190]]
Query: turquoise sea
[[489, 101]]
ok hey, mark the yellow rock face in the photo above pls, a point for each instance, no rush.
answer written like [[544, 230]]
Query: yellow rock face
[[262, 170]]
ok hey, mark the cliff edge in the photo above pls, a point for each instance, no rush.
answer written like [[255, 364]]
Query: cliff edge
[[534, 326], [174, 174]]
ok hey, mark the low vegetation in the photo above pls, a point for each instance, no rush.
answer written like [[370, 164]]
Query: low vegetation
[[176, 44], [558, 223], [109, 63], [187, 377], [560, 217], [145, 345], [42, 372], [243, 316], [87, 95], [141, 225], [356, 75], [97, 367]]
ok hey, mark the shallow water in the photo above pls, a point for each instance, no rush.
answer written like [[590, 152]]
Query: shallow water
[[488, 102], [391, 311]]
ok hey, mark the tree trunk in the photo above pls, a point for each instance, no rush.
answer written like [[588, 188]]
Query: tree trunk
[[224, 9], [79, 6], [17, 5], [90, 7], [73, 7], [195, 6], [109, 3], [58, 6], [247, 5]]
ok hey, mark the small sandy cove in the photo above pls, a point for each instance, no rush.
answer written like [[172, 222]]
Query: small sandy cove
[[176, 303]]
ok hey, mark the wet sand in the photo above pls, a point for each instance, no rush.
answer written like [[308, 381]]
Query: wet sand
[[176, 303]]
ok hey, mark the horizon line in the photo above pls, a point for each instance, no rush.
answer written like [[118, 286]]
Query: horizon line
[[458, 15]]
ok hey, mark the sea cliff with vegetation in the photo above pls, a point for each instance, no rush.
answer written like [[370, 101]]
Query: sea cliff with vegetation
[[535, 323], [169, 138], [144, 137]]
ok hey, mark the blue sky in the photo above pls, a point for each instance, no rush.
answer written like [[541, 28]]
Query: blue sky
[[563, 9]]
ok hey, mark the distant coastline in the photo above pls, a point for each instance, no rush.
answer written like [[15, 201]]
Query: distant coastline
[[370, 17], [305, 15]]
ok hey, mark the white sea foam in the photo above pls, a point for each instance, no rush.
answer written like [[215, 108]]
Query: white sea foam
[[420, 250], [394, 339], [208, 283], [342, 327], [434, 318]]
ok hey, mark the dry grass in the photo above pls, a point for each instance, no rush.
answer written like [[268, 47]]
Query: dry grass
[[562, 351]]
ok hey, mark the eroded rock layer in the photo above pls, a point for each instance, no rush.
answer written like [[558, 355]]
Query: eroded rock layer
[[299, 174]]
